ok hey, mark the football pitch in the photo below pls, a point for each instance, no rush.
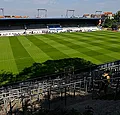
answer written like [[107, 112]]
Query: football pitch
[[18, 52]]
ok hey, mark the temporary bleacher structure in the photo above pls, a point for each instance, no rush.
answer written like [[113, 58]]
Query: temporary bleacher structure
[[83, 83]]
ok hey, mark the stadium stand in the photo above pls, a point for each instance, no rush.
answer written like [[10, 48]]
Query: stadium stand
[[54, 28], [21, 26], [45, 30]]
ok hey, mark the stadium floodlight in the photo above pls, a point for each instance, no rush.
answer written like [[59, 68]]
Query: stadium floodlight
[[70, 11], [99, 12], [45, 12], [2, 10]]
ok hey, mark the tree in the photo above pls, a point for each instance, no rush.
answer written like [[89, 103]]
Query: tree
[[117, 16], [108, 23], [112, 23]]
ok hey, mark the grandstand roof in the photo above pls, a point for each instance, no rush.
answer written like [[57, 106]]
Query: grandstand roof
[[17, 23], [44, 18]]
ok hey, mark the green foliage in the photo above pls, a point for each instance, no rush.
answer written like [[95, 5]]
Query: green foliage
[[55, 66], [117, 16], [112, 23], [47, 68], [108, 23], [6, 77]]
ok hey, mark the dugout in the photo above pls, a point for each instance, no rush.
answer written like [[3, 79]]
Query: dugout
[[35, 23]]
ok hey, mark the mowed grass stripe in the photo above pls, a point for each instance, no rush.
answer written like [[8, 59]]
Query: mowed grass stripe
[[72, 43], [66, 41], [93, 44], [7, 62], [96, 41], [85, 34], [108, 42], [62, 48], [77, 52], [97, 35], [88, 41], [46, 48], [74, 40], [105, 48], [36, 53], [96, 52], [21, 56]]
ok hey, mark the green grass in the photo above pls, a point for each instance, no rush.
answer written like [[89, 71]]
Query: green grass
[[19, 52]]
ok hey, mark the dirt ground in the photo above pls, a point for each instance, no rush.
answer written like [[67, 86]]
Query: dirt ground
[[100, 107]]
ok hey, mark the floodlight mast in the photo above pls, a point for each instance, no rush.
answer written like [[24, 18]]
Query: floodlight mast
[[45, 12], [70, 11], [2, 10], [98, 12]]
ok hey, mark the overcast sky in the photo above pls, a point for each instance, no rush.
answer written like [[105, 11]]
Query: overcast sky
[[56, 8]]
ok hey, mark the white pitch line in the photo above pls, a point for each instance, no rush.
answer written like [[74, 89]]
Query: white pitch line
[[29, 45]]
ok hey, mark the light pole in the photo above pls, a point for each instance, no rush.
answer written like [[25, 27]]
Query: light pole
[[98, 12], [45, 12], [2, 10], [70, 11]]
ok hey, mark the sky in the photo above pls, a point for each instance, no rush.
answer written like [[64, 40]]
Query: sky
[[57, 8]]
